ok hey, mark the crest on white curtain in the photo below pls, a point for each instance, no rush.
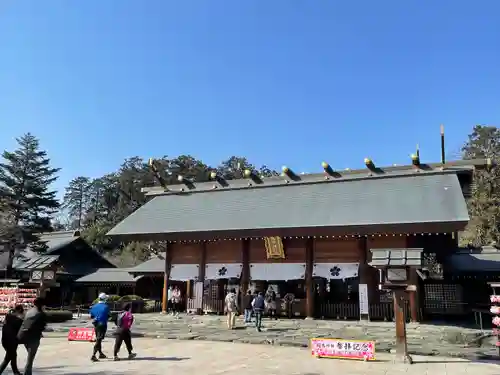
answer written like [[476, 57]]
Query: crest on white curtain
[[336, 271]]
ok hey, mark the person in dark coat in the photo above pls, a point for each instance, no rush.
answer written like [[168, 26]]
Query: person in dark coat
[[259, 304], [247, 305], [10, 329], [31, 330]]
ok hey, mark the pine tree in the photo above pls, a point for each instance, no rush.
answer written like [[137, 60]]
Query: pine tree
[[28, 202]]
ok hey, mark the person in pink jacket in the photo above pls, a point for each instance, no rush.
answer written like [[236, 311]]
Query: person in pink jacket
[[124, 323]]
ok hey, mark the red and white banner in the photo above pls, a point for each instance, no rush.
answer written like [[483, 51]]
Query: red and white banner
[[81, 334], [345, 349]]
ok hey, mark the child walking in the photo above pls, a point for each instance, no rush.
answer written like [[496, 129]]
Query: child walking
[[124, 323]]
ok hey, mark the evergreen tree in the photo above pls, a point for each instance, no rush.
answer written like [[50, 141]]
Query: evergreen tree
[[484, 203], [233, 167], [28, 203], [77, 199]]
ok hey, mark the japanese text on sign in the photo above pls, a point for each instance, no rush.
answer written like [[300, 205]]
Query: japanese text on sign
[[81, 334], [346, 349]]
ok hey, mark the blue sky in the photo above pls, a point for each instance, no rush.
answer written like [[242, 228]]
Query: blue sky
[[281, 81]]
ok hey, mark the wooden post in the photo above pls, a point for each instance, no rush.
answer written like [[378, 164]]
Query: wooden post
[[309, 278], [245, 268], [201, 274], [365, 279], [413, 295], [399, 317], [166, 275]]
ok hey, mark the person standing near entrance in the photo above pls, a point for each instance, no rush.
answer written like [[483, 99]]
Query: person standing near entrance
[[176, 301], [12, 324], [124, 322], [247, 305], [231, 307], [100, 316], [169, 299], [259, 304], [31, 331], [271, 303]]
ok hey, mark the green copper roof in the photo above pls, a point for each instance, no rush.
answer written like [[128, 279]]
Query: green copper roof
[[434, 197]]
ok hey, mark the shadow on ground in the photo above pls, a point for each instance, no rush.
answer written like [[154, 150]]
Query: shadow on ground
[[173, 359], [61, 370]]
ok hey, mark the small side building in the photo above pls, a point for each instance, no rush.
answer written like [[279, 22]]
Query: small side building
[[144, 280], [67, 258], [467, 275]]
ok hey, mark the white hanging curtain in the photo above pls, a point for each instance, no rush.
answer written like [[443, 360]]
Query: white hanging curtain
[[184, 272], [218, 271], [336, 271], [277, 271]]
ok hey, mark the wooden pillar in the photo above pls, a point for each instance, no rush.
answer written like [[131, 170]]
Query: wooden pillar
[[309, 278], [399, 317], [166, 276], [201, 275], [365, 279], [413, 296], [245, 268]]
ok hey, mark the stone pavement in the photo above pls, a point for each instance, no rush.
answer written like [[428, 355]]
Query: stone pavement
[[159, 356], [424, 339]]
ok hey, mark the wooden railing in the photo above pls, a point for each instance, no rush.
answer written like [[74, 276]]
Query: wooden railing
[[346, 311], [214, 306], [190, 307], [385, 311]]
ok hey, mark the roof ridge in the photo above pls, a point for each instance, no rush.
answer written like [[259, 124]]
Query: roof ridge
[[310, 179]]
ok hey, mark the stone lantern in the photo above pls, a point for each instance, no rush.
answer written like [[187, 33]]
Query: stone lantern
[[394, 266]]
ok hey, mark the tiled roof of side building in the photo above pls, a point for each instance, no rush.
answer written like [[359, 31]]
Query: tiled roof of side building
[[57, 240], [486, 259], [108, 275], [154, 265], [37, 263], [405, 197]]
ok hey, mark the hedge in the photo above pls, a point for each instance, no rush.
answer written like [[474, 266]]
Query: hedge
[[111, 298], [58, 316], [130, 298]]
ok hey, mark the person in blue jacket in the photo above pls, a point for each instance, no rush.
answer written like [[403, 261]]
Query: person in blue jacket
[[100, 316]]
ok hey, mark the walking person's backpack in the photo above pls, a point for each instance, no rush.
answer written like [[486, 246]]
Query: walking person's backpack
[[125, 320]]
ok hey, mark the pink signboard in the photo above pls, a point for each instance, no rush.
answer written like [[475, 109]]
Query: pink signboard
[[81, 334], [344, 349]]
